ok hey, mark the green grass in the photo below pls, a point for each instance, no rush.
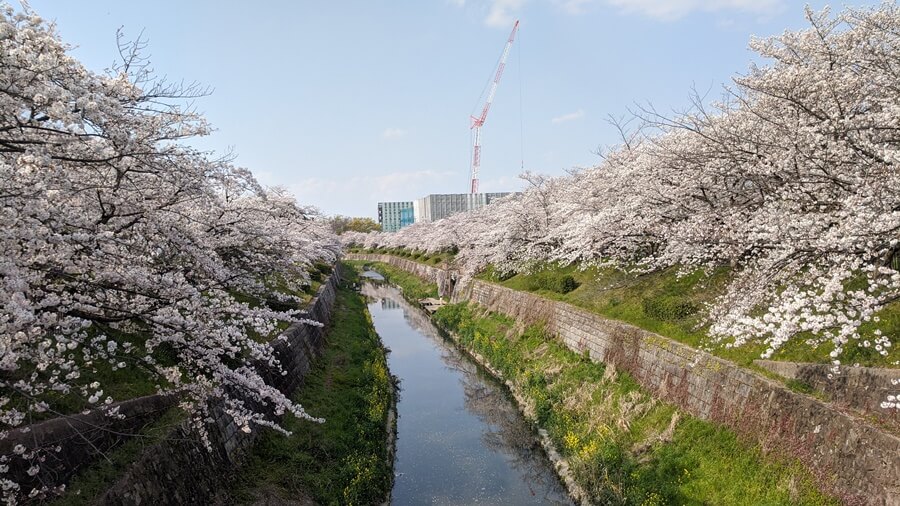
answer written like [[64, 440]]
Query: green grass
[[422, 257], [342, 461], [92, 481], [624, 446], [671, 305], [413, 287]]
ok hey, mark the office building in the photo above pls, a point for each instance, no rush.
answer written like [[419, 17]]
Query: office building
[[437, 206], [392, 216]]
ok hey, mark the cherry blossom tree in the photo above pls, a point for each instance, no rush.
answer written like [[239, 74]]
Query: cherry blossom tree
[[119, 243], [790, 179]]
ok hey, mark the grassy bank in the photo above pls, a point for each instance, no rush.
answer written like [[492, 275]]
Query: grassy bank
[[671, 305], [413, 287], [94, 479], [624, 446], [418, 256], [342, 461]]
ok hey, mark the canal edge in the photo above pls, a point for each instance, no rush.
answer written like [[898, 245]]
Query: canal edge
[[390, 424], [391, 429], [560, 464]]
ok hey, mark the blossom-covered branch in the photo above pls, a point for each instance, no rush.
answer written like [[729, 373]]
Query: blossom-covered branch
[[122, 246]]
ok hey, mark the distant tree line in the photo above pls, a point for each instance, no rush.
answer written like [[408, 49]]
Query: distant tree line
[[341, 224]]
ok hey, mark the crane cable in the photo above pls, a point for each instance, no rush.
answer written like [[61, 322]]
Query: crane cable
[[521, 117]]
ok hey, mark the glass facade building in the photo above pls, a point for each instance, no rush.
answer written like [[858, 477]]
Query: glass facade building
[[407, 216], [392, 216]]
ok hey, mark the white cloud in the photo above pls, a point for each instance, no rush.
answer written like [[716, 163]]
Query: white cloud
[[568, 117], [393, 133], [501, 184], [673, 9], [458, 3], [574, 7], [502, 13]]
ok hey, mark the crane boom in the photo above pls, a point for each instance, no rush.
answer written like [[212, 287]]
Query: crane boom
[[478, 121]]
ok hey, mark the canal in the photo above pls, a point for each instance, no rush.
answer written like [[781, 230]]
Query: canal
[[461, 439]]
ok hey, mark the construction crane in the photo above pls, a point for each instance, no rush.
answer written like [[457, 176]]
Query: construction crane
[[478, 121]]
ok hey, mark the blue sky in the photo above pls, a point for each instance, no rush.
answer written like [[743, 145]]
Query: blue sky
[[347, 103]]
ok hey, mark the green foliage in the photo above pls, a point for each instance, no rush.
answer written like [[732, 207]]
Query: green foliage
[[341, 224], [506, 275], [567, 284], [622, 445], [667, 308], [552, 281], [800, 386], [322, 269], [419, 256], [342, 461]]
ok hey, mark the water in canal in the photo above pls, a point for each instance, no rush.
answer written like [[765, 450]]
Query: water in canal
[[461, 439]]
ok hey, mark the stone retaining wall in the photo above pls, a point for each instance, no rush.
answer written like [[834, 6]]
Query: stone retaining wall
[[79, 439], [860, 388], [180, 469], [850, 456]]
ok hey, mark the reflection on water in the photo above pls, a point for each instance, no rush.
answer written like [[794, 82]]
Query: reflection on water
[[372, 275], [461, 439], [389, 304]]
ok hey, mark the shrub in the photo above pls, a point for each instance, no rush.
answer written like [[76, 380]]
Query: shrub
[[552, 281], [567, 284], [668, 308], [504, 276]]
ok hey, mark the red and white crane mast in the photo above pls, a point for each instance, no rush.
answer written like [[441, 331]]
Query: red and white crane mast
[[478, 121]]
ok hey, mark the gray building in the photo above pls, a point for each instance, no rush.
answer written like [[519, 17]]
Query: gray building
[[392, 216], [437, 206]]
